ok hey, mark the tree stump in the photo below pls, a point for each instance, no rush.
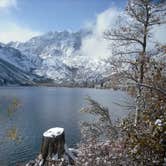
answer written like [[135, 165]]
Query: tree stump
[[54, 151], [53, 144]]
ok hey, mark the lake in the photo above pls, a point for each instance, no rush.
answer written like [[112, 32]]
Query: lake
[[43, 108]]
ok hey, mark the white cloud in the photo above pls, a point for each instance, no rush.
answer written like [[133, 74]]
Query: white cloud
[[9, 30], [106, 19], [95, 45], [8, 3], [14, 32]]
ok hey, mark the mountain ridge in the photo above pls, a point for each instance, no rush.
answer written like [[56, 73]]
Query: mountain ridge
[[57, 56]]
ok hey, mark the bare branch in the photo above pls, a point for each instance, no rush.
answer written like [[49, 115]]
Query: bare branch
[[153, 88]]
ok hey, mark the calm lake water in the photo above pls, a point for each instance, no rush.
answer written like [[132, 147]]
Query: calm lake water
[[43, 108]]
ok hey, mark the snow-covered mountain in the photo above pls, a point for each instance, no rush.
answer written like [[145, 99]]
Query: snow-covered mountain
[[10, 74], [57, 56], [14, 67], [15, 57]]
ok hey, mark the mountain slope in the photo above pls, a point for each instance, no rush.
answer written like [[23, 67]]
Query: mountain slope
[[10, 74], [14, 57], [58, 56], [15, 68]]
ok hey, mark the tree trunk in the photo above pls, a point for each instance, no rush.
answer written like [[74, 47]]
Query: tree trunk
[[53, 144]]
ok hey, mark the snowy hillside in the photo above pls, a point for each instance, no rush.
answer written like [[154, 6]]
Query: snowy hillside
[[10, 74], [15, 68], [15, 57], [57, 55]]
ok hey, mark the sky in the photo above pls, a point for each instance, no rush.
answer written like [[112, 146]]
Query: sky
[[22, 19]]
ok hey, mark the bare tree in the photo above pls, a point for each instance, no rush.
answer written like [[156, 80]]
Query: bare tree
[[139, 63], [132, 39]]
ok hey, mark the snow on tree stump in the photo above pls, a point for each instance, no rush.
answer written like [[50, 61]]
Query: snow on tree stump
[[54, 151], [53, 144]]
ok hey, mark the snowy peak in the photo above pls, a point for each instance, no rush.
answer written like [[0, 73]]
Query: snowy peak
[[58, 56], [51, 44]]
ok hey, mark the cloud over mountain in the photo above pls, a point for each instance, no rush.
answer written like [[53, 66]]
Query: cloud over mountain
[[95, 44]]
